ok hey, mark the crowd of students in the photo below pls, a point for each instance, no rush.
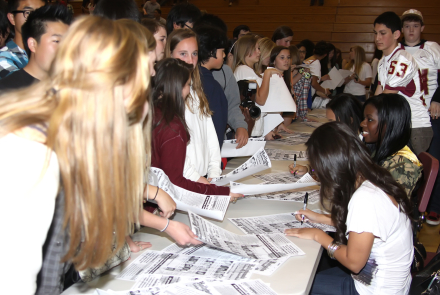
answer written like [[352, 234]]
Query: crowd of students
[[88, 105]]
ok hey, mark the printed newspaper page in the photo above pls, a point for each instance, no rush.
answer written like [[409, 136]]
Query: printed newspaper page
[[288, 196], [284, 155], [210, 206], [275, 223], [270, 246], [258, 162]]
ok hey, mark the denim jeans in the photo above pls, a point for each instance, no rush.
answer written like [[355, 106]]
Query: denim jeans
[[333, 281]]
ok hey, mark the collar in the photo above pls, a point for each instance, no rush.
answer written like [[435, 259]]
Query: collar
[[421, 43], [388, 57]]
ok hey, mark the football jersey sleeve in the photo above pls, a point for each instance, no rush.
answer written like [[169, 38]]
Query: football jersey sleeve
[[401, 73], [435, 51]]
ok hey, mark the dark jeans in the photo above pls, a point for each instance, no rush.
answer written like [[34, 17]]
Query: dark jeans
[[434, 150], [333, 281]]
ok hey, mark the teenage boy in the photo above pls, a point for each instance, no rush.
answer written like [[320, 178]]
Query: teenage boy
[[398, 73], [182, 16], [12, 56], [150, 7], [212, 43], [240, 31], [42, 34], [427, 56], [158, 17]]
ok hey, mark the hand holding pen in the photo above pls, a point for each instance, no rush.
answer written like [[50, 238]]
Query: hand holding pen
[[306, 199]]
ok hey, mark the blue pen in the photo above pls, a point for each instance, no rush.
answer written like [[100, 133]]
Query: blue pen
[[306, 199]]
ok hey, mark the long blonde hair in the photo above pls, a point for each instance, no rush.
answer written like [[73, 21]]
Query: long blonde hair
[[266, 45], [359, 60], [92, 103], [173, 39], [244, 46]]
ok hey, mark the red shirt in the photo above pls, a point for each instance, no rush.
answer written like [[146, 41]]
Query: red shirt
[[169, 152]]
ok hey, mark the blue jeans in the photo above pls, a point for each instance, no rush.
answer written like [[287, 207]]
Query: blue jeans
[[333, 281], [434, 150]]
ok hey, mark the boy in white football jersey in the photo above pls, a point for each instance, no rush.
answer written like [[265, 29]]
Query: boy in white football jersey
[[427, 56], [398, 73]]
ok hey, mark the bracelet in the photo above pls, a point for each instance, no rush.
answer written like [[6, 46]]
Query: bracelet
[[165, 228], [332, 248], [156, 194]]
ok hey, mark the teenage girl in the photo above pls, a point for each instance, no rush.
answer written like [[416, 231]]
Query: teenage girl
[[160, 34], [171, 133], [362, 77], [246, 56], [282, 36], [203, 151], [370, 212]]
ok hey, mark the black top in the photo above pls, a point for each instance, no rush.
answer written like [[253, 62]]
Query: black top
[[16, 80]]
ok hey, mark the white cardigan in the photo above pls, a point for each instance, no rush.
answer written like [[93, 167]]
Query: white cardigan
[[203, 151]]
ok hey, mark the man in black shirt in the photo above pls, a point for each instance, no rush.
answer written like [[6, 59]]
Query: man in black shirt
[[41, 33]]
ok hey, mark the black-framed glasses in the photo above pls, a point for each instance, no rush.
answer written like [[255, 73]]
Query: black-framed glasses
[[25, 12]]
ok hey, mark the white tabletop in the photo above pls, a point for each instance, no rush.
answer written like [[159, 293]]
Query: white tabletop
[[295, 276]]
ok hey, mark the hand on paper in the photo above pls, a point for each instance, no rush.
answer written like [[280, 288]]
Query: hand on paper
[[270, 136], [272, 72], [165, 203], [181, 234], [434, 109], [313, 217], [136, 246], [298, 170], [241, 135], [203, 180], [325, 78], [234, 197], [284, 128], [303, 233]]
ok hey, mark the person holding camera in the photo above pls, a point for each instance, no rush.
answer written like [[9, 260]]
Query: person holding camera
[[362, 77]]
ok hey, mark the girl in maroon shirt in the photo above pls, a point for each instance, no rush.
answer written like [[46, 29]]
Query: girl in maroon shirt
[[170, 132]]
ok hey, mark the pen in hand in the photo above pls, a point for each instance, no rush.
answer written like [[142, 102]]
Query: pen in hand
[[306, 199], [294, 164]]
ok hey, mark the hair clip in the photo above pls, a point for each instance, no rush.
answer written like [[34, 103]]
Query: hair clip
[[51, 91], [232, 47]]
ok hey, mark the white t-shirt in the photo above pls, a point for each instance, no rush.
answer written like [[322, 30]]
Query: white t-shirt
[[371, 210], [399, 71], [246, 73], [203, 151], [315, 70], [355, 88], [26, 210], [427, 57]]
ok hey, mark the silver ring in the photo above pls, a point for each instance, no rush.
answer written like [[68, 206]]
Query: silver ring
[[140, 246], [234, 201], [189, 244]]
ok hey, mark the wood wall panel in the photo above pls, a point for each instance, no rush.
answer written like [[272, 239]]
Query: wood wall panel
[[389, 3]]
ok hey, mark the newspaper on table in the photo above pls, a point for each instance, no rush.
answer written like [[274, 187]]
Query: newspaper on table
[[162, 263], [271, 246], [278, 177], [317, 115], [210, 206], [313, 124], [263, 267], [293, 139], [245, 287], [258, 162], [255, 189], [229, 148], [284, 155], [288, 196], [275, 223]]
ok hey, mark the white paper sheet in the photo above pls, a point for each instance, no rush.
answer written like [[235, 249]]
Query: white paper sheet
[[288, 196], [159, 280], [210, 206], [279, 98], [257, 163], [345, 73], [336, 78], [286, 155], [257, 189], [270, 122], [275, 223], [251, 287], [161, 263], [263, 267], [271, 246], [229, 148]]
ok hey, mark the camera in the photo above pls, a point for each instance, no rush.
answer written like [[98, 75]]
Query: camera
[[248, 90]]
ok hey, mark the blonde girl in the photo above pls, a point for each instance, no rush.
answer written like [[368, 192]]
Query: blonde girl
[[363, 74], [266, 45], [80, 130], [246, 57], [203, 151]]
